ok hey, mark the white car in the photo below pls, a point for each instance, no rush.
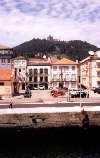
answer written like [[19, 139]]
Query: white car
[[41, 87], [36, 88]]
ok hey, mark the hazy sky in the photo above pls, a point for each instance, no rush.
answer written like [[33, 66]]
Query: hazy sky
[[23, 20]]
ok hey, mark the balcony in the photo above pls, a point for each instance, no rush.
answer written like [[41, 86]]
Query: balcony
[[43, 74], [69, 79], [64, 79]]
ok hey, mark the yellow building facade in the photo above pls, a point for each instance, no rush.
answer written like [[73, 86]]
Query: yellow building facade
[[8, 82]]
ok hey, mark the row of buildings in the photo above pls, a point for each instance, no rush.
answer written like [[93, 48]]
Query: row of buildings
[[17, 72]]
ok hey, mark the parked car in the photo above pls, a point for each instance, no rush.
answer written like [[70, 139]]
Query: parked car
[[56, 93], [41, 87], [27, 93], [36, 88], [97, 90], [50, 88], [30, 86], [76, 94]]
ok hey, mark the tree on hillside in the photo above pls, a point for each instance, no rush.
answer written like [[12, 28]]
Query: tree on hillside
[[75, 50]]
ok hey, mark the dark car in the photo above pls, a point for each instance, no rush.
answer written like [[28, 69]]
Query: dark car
[[30, 86], [97, 90], [27, 93], [83, 94]]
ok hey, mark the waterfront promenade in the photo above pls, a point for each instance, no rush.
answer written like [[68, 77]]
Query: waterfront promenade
[[44, 111], [44, 98]]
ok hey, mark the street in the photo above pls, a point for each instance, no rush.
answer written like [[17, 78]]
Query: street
[[62, 105]]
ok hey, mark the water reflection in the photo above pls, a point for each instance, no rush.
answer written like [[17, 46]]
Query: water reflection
[[61, 143]]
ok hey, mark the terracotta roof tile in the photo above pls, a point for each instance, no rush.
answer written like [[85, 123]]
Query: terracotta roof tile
[[65, 61], [34, 60], [5, 74]]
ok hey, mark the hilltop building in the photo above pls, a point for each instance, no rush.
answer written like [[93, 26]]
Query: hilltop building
[[50, 38]]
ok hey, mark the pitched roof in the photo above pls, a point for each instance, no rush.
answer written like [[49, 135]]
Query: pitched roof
[[65, 61], [6, 74], [4, 47], [34, 60], [19, 58]]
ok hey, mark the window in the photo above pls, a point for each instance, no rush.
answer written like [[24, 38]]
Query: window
[[60, 68], [19, 70], [73, 77], [98, 83], [16, 62], [46, 79], [30, 71], [98, 73], [41, 71], [67, 77], [64, 68], [1, 83], [67, 68], [8, 61], [46, 71], [3, 61], [73, 67], [35, 79], [35, 71], [23, 62], [55, 68], [98, 64], [41, 79], [30, 79], [55, 84], [73, 85], [55, 77], [67, 84], [19, 62]]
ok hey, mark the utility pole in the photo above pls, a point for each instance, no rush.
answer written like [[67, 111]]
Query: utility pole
[[80, 86], [61, 82]]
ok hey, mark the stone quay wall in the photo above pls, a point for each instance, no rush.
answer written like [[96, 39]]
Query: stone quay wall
[[47, 120]]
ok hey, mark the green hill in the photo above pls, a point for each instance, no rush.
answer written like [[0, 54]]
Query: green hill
[[75, 50]]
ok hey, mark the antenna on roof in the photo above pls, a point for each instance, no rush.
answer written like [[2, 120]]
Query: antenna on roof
[[91, 52], [44, 56]]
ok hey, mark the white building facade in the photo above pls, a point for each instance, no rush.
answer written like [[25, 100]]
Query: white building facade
[[38, 72], [64, 74], [20, 63]]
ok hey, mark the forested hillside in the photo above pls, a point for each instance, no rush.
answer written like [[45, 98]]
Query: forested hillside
[[75, 50]]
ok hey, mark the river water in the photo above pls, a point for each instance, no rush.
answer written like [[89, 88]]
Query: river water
[[50, 143]]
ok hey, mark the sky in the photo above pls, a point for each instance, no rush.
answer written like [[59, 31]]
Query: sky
[[65, 20]]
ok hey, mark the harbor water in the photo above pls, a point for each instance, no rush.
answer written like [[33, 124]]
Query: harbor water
[[50, 143]]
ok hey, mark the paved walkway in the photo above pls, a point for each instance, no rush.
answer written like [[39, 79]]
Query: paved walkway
[[48, 110], [44, 96]]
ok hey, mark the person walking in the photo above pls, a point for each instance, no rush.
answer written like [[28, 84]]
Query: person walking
[[88, 94], [10, 105]]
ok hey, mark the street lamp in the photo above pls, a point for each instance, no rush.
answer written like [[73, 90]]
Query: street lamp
[[61, 82], [80, 87]]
